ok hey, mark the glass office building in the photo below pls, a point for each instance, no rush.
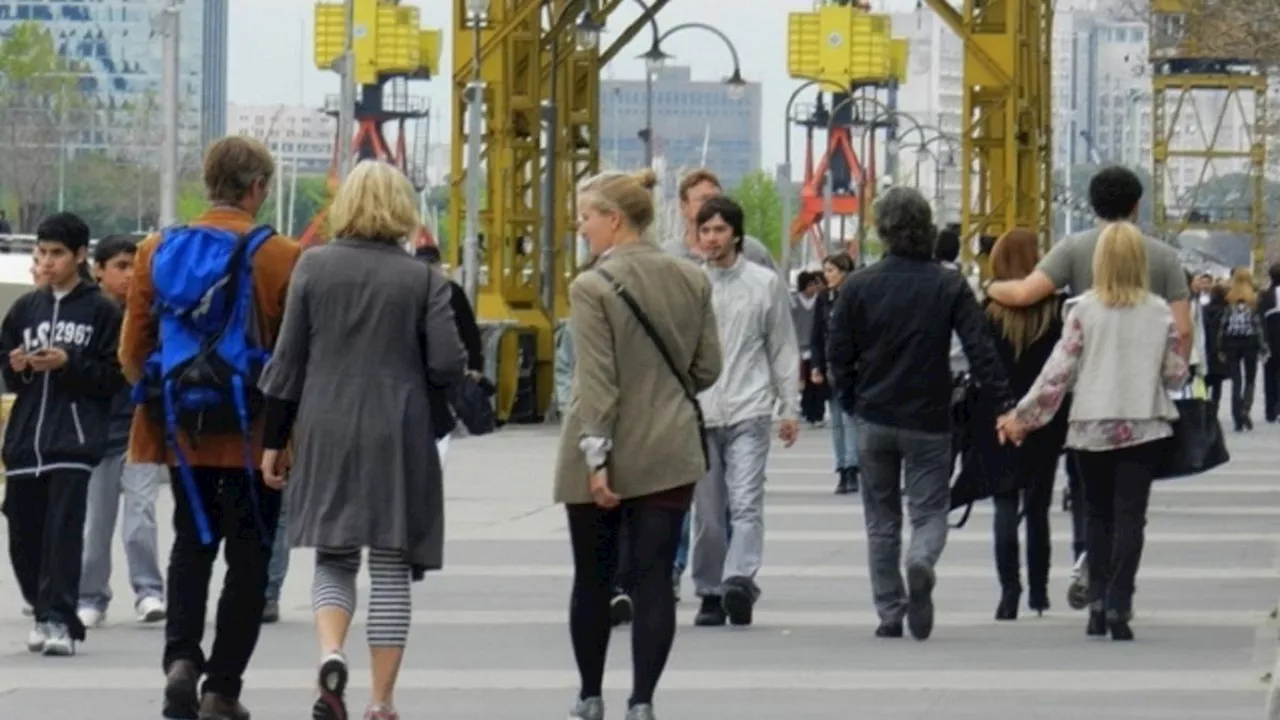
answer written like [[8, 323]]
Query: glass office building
[[118, 42]]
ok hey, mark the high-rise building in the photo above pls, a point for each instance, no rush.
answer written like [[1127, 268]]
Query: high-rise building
[[933, 96], [118, 42], [695, 123], [294, 133]]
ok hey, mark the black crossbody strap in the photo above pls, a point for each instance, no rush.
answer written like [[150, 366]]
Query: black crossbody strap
[[641, 317]]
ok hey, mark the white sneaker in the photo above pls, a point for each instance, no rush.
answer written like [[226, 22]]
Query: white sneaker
[[91, 618], [150, 609], [59, 642], [36, 639]]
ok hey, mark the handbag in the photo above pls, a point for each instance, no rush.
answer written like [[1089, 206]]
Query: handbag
[[656, 339], [472, 402], [1197, 445]]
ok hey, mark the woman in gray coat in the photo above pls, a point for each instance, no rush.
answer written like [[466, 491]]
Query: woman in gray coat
[[366, 329]]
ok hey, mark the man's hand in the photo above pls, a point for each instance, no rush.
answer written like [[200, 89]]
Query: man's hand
[[19, 360], [788, 431], [815, 377], [275, 473], [600, 491], [48, 359]]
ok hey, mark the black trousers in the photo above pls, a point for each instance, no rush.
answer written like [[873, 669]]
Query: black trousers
[[1213, 383], [1271, 385], [1079, 516], [46, 542], [813, 397], [1036, 499], [1117, 485], [246, 529], [1242, 366]]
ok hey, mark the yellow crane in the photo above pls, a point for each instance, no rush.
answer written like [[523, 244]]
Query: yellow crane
[[1006, 149], [1193, 68], [1006, 173], [513, 40]]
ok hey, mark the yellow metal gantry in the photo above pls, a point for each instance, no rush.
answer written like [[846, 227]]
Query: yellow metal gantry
[[1188, 80], [1007, 172], [515, 69]]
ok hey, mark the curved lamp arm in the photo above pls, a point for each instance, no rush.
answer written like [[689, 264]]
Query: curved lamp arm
[[735, 80], [654, 54]]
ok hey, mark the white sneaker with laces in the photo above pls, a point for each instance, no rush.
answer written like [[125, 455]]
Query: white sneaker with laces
[[36, 639], [91, 618], [59, 643], [151, 609]]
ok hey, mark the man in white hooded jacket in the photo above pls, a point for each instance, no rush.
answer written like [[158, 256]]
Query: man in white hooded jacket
[[758, 341]]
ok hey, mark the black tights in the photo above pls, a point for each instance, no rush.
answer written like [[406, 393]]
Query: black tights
[[653, 533]]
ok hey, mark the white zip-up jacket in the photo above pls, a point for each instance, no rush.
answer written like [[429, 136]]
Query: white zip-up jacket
[[761, 358]]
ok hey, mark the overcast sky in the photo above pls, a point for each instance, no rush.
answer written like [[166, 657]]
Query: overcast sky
[[271, 60]]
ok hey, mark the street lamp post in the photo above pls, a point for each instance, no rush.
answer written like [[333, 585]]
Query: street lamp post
[[477, 10], [655, 58], [784, 179], [587, 37], [169, 26]]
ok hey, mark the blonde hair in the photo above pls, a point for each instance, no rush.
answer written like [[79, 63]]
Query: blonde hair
[[629, 195], [1241, 289], [1120, 270], [233, 165], [376, 202]]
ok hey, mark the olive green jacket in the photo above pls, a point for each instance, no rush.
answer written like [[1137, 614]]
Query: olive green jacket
[[623, 391]]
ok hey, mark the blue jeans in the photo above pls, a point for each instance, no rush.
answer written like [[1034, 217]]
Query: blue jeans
[[844, 437], [279, 566]]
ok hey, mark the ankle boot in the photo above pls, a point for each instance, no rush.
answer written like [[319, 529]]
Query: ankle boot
[[1008, 607], [842, 482], [850, 476]]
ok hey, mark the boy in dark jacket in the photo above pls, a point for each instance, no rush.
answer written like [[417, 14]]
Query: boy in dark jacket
[[114, 478], [60, 341]]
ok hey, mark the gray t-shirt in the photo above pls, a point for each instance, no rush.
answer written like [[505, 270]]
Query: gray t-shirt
[[752, 249], [1070, 264]]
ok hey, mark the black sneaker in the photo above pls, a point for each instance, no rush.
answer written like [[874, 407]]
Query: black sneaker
[[889, 629], [738, 605], [620, 609], [712, 613], [920, 582], [181, 700]]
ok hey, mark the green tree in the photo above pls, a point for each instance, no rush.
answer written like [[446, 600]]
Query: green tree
[[41, 106], [761, 203]]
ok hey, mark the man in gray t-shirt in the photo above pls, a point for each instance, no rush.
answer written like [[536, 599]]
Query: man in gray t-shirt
[[1114, 193], [697, 187]]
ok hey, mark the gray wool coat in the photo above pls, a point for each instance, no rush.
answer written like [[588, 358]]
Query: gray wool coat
[[366, 328]]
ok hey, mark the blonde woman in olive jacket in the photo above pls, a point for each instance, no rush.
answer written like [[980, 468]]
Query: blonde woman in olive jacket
[[630, 449]]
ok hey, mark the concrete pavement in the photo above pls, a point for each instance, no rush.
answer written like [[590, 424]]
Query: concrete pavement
[[490, 637]]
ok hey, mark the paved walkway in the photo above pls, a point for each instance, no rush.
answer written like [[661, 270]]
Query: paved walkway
[[490, 638]]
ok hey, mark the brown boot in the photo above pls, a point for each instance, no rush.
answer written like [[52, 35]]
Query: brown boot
[[181, 700], [220, 707]]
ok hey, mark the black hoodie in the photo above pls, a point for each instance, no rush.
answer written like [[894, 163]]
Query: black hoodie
[[59, 420]]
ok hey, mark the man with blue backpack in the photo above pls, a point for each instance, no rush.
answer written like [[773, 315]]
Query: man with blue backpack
[[60, 342], [204, 309]]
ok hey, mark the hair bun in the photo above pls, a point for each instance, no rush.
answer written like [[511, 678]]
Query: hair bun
[[647, 178]]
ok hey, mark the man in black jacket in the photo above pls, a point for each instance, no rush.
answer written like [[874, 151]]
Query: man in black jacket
[[60, 342], [889, 357], [469, 332]]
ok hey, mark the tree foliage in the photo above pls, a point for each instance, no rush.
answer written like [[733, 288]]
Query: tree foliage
[[41, 106], [761, 203]]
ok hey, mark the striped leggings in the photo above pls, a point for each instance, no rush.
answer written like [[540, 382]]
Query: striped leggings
[[390, 606]]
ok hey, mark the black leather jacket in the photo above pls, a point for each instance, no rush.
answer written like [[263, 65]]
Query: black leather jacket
[[889, 345]]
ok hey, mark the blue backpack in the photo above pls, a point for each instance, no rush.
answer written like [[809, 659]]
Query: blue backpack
[[203, 376]]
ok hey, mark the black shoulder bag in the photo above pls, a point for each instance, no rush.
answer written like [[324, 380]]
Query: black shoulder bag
[[656, 339]]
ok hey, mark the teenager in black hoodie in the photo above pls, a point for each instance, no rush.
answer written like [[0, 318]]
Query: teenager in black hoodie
[[60, 342]]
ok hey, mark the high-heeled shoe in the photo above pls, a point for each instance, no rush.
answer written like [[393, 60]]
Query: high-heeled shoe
[[1097, 626], [1118, 624], [1008, 607], [1038, 601]]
